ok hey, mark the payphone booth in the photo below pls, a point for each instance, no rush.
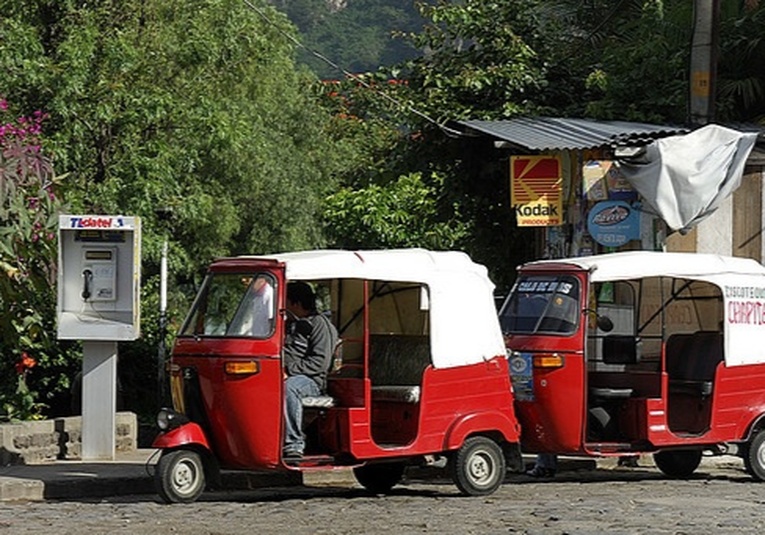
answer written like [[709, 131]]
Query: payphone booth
[[99, 304]]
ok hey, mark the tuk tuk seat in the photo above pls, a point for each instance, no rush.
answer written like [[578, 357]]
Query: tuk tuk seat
[[621, 349], [608, 394], [692, 359], [403, 394], [396, 365], [318, 402]]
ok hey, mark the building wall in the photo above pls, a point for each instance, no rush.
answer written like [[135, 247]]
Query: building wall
[[735, 228]]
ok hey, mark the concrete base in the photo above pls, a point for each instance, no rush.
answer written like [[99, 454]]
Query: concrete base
[[45, 441]]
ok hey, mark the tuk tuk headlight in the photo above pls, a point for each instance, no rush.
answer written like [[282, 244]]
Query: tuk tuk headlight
[[168, 419]]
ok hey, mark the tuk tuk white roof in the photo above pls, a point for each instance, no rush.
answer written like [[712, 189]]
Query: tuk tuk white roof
[[639, 264], [413, 265], [464, 327]]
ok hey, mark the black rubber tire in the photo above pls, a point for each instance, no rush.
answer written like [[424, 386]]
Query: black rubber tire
[[379, 478], [754, 456], [478, 467], [180, 476], [677, 463]]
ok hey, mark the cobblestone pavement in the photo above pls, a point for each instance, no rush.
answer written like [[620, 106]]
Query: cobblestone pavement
[[720, 498]]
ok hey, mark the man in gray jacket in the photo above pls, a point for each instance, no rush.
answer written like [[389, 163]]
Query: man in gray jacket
[[309, 344]]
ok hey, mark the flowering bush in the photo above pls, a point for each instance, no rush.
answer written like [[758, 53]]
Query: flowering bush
[[29, 210]]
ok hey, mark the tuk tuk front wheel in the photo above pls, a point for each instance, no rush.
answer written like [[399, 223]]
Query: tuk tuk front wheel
[[754, 456], [380, 477], [677, 463], [180, 476], [478, 467]]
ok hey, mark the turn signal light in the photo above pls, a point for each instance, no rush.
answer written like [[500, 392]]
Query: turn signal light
[[548, 360], [242, 368]]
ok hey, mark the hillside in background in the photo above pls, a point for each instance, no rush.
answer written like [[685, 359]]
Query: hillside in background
[[357, 35]]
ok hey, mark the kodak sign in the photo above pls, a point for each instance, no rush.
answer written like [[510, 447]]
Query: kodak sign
[[536, 190]]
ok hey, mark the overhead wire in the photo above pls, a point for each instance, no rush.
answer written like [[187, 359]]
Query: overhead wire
[[449, 131]]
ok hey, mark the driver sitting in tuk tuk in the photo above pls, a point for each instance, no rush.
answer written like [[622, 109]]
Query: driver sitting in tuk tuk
[[309, 344]]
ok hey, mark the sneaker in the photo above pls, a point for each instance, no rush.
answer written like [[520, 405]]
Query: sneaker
[[292, 455], [540, 472]]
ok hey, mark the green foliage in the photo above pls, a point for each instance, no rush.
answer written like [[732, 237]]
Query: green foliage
[[358, 35], [741, 71], [29, 206], [195, 106], [404, 213], [480, 60], [639, 64]]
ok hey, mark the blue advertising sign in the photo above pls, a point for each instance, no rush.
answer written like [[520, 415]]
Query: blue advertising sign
[[522, 376], [613, 223]]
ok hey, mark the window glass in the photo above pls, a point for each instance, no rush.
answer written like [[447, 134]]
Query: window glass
[[233, 305], [542, 304]]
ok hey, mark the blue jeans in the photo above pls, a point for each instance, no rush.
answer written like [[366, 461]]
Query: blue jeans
[[296, 387]]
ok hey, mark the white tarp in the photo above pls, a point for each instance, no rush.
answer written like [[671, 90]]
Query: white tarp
[[683, 179]]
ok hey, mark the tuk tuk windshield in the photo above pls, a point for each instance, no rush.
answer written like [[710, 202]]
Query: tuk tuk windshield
[[233, 304], [542, 304]]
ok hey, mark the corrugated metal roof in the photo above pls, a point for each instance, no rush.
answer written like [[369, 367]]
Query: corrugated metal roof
[[554, 133]]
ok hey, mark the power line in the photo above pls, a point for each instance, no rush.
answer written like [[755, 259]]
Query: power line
[[449, 131]]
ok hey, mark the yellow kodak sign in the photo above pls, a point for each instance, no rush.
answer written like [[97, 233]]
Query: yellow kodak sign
[[536, 190]]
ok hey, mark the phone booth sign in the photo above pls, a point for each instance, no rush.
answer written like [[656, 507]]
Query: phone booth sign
[[99, 277]]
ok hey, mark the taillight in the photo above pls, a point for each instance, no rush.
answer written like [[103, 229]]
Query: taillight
[[242, 368], [548, 360]]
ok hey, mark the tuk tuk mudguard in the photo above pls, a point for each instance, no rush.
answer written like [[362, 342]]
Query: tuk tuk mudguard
[[756, 424], [490, 423], [186, 435]]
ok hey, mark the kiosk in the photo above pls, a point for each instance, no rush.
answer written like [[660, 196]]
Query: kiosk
[[99, 303]]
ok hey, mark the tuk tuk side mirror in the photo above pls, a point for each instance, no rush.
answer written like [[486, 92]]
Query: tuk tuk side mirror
[[604, 323]]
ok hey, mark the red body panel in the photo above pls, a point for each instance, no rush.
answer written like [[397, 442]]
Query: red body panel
[[186, 435], [554, 420]]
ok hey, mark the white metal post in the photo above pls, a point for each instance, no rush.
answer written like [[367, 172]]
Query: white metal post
[[161, 356], [99, 400]]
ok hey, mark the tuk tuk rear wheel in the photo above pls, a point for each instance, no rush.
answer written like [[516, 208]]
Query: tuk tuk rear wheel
[[380, 477], [677, 463], [180, 476], [478, 467], [754, 456]]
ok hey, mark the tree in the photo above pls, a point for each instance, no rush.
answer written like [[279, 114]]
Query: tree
[[399, 214], [741, 69], [196, 106], [359, 35]]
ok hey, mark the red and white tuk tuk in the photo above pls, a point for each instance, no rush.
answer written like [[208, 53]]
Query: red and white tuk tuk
[[640, 352], [424, 373]]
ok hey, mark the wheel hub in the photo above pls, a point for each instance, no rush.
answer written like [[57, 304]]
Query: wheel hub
[[480, 468], [184, 477]]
